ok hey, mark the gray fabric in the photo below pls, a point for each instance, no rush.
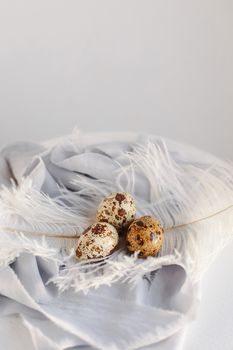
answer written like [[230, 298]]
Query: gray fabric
[[34, 316]]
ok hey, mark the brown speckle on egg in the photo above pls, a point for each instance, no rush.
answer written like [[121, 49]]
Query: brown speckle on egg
[[97, 241], [146, 236], [118, 209]]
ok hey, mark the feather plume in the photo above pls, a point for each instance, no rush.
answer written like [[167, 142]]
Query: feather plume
[[180, 197], [12, 248], [193, 202], [119, 266]]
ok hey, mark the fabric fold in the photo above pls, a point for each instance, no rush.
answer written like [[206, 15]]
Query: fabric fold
[[151, 314]]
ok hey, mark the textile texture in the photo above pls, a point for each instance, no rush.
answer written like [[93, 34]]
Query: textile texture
[[50, 301]]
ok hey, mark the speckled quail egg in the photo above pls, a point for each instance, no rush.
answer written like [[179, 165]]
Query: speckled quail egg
[[146, 236], [97, 241], [118, 209]]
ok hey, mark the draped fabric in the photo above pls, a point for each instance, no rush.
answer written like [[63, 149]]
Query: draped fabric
[[33, 315]]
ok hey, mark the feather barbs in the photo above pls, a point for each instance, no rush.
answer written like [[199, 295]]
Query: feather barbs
[[192, 201]]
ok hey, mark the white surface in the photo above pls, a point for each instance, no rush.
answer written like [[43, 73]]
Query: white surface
[[213, 328], [158, 66]]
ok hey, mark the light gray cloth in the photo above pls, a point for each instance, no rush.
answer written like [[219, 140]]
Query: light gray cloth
[[153, 315]]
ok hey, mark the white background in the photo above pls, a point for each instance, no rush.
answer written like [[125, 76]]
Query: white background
[[163, 66], [160, 66]]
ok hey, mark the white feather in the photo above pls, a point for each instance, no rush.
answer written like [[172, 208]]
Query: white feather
[[84, 275], [178, 194], [12, 248]]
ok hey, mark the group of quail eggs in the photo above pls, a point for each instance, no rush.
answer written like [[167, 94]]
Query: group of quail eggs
[[116, 216]]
